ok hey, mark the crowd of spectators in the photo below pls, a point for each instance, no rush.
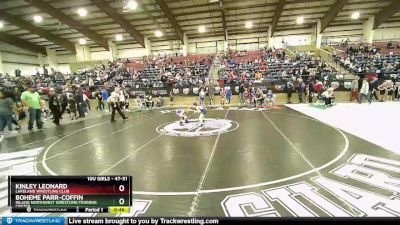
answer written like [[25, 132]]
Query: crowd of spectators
[[57, 94], [158, 71], [377, 70], [373, 89], [249, 71], [368, 60], [259, 75], [191, 70], [274, 67]]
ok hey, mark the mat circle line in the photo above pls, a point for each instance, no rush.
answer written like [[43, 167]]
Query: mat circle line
[[243, 187]]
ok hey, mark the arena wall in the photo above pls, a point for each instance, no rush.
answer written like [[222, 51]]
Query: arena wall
[[13, 57]]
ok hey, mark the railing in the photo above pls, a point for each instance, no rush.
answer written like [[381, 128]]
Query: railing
[[329, 58], [292, 48], [215, 67], [87, 65]]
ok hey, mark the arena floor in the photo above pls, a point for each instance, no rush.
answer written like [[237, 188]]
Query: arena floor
[[272, 162]]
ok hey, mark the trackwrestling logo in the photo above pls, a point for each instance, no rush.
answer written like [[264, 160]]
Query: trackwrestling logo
[[194, 128], [34, 220]]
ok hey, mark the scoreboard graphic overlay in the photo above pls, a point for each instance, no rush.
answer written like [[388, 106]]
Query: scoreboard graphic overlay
[[101, 194]]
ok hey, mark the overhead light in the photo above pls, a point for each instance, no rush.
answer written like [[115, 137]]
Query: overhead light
[[119, 37], [131, 5], [158, 33], [82, 12], [82, 41], [355, 15], [37, 18], [202, 29], [1, 24], [249, 24], [300, 20]]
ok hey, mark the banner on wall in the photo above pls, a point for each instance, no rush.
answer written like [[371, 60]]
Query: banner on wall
[[194, 91]]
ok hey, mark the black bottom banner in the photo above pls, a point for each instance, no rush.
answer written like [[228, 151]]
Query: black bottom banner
[[205, 221]]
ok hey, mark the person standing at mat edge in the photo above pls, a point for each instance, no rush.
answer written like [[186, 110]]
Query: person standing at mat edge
[[55, 107], [7, 106], [31, 99], [354, 89], [114, 102], [364, 91]]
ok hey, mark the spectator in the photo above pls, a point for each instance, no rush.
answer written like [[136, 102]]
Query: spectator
[[382, 91], [139, 103], [80, 103], [211, 92], [31, 99], [72, 106], [45, 109], [253, 96], [104, 96], [55, 107], [21, 115], [63, 99], [373, 87], [260, 97], [202, 96], [247, 95], [258, 75], [86, 103], [86, 97], [390, 45], [354, 95], [270, 98], [7, 106], [318, 87], [310, 91], [149, 101], [228, 96], [122, 100], [160, 101], [241, 94], [364, 91], [100, 103], [300, 89], [222, 94], [327, 96], [289, 90], [390, 87], [171, 98]]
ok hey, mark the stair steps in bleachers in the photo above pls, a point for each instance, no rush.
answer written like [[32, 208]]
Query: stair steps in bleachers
[[326, 56], [215, 68]]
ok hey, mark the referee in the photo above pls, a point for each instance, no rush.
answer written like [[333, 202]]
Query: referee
[[113, 100]]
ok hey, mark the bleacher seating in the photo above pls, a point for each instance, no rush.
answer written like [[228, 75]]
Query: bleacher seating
[[173, 70], [275, 68], [138, 64], [383, 63]]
